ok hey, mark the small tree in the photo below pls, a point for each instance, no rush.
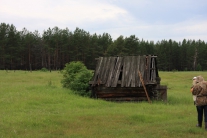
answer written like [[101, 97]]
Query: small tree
[[199, 67], [76, 77]]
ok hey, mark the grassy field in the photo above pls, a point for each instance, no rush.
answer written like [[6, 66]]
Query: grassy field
[[34, 105]]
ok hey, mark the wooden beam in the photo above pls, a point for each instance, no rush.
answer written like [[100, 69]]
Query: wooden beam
[[144, 87]]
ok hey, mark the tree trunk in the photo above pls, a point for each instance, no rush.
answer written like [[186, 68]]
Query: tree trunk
[[195, 59]]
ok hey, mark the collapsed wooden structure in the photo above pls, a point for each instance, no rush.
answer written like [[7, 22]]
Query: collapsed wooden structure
[[127, 78]]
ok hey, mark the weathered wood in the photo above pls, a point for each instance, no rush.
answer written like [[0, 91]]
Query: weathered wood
[[126, 99], [148, 68], [137, 80], [111, 69], [133, 69], [130, 72], [153, 71], [142, 69], [103, 69], [117, 95], [163, 92], [97, 70], [117, 71], [118, 78], [123, 72], [144, 87], [106, 69], [126, 71]]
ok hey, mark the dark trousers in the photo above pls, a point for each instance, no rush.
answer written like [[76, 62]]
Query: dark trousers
[[202, 110]]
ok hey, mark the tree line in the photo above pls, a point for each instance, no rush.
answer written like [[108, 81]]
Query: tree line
[[25, 50]]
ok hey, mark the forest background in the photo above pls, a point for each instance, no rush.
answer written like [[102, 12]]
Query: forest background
[[25, 50]]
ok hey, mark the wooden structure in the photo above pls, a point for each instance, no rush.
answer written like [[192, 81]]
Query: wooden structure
[[128, 78]]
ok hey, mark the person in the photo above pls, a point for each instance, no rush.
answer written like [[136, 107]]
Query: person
[[193, 84], [200, 91]]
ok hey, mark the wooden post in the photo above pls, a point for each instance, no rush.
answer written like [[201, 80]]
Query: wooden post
[[140, 76]]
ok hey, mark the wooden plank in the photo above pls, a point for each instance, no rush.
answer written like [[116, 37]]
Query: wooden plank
[[97, 71], [111, 70], [137, 81], [113, 65], [145, 69], [148, 68], [144, 87], [114, 70], [153, 71], [107, 68], [130, 71], [128, 83], [119, 90], [103, 69], [126, 99], [104, 95], [155, 75], [121, 97], [133, 70], [156, 69], [126, 73], [142, 68], [117, 72], [123, 72]]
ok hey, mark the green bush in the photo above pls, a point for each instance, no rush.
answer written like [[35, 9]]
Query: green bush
[[199, 67], [44, 70], [76, 77]]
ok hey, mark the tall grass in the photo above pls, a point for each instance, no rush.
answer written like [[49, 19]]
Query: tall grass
[[35, 105]]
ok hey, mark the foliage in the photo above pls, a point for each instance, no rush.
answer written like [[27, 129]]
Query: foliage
[[54, 48], [44, 70], [76, 77], [198, 68]]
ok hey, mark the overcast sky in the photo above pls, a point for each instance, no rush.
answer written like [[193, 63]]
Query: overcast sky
[[152, 20]]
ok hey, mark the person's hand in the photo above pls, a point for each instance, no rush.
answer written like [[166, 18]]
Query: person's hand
[[191, 90]]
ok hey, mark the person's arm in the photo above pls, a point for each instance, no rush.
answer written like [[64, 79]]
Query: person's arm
[[196, 90], [191, 88]]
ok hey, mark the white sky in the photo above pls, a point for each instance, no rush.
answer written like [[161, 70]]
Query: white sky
[[154, 20]]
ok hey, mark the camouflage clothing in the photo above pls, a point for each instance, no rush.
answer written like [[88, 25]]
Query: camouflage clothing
[[200, 90]]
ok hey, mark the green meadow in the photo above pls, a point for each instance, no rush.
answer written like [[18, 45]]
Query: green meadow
[[34, 105]]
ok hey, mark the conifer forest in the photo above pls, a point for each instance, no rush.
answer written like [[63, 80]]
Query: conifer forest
[[25, 50]]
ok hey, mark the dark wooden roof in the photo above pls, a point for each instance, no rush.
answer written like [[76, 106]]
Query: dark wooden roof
[[111, 71]]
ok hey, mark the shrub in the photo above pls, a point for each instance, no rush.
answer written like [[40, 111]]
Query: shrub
[[199, 67], [44, 70], [76, 77]]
